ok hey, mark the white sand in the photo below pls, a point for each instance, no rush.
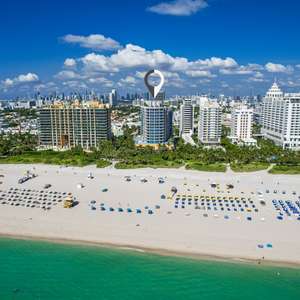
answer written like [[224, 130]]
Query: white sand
[[184, 231]]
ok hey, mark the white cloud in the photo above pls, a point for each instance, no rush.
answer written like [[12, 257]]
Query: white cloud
[[204, 81], [126, 66], [8, 82], [278, 68], [101, 81], [93, 41], [29, 77], [135, 57], [67, 75], [178, 7], [258, 75], [98, 63], [199, 73], [214, 62], [70, 62], [75, 84], [20, 79], [128, 80], [242, 70]]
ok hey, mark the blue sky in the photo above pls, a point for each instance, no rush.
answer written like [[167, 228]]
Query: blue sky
[[218, 46]]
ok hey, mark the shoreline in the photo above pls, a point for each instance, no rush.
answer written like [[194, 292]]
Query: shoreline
[[158, 251], [233, 235]]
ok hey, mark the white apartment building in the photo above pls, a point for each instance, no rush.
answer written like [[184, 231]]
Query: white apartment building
[[186, 118], [241, 125], [209, 126], [281, 118]]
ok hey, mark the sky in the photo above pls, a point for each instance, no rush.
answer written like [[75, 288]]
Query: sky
[[229, 47]]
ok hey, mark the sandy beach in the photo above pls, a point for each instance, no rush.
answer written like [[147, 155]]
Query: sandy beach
[[171, 230]]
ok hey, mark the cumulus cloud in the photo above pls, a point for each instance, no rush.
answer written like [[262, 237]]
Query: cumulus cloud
[[70, 63], [278, 68], [199, 73], [101, 81], [178, 7], [93, 41], [67, 75], [125, 68], [242, 70], [135, 57], [95, 62], [20, 79], [128, 80]]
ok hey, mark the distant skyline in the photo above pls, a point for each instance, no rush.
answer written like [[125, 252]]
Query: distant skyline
[[218, 46]]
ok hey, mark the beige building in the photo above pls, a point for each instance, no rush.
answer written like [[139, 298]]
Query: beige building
[[209, 125], [67, 125]]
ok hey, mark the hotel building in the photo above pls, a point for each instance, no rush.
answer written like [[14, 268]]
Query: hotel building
[[67, 125], [241, 125], [281, 118], [209, 125]]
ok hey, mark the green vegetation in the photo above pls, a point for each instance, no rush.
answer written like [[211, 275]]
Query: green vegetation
[[161, 164], [285, 169], [125, 111], [102, 163], [27, 113], [21, 148], [69, 158], [17, 144], [13, 117], [249, 167], [207, 168]]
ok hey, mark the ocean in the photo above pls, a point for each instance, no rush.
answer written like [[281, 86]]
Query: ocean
[[45, 270]]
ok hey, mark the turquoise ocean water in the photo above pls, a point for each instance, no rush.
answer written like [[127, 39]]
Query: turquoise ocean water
[[43, 270]]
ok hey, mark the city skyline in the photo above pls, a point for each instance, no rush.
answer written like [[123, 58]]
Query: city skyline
[[82, 47]]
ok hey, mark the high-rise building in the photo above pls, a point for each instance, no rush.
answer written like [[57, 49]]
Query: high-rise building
[[156, 123], [241, 122], [66, 125], [281, 118], [209, 126], [186, 118], [113, 97], [241, 125]]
